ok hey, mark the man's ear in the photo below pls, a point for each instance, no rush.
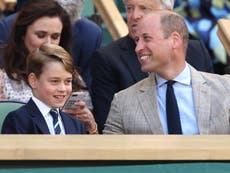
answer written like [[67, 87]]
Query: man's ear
[[176, 40], [32, 80]]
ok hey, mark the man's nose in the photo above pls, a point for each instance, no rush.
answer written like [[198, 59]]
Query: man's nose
[[139, 47], [137, 14]]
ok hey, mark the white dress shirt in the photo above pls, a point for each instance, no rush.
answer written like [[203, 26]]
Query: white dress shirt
[[184, 95], [44, 109]]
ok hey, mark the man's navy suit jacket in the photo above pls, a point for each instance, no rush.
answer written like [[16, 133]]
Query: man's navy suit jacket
[[29, 120], [86, 37], [116, 67]]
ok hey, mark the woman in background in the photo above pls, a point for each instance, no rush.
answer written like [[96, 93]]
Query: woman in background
[[37, 22]]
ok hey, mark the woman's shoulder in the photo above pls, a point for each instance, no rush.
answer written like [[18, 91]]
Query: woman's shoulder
[[13, 90]]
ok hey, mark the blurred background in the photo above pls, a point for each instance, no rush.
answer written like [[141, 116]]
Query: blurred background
[[200, 15]]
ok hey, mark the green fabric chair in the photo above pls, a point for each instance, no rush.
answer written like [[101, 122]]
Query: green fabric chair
[[6, 107]]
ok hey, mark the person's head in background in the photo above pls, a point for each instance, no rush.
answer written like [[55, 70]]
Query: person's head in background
[[49, 70], [38, 22], [137, 9], [73, 8], [161, 45]]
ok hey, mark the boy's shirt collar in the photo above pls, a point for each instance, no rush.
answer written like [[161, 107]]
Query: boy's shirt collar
[[44, 109]]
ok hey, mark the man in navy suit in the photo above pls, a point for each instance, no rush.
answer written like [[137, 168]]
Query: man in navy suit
[[116, 67]]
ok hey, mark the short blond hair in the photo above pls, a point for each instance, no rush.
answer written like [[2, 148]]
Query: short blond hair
[[173, 22], [48, 53]]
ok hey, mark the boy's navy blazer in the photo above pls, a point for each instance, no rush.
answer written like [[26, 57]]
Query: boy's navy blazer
[[29, 120]]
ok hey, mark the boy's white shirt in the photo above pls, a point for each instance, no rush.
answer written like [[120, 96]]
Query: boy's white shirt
[[44, 109]]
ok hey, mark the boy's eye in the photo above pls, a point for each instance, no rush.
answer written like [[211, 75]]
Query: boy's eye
[[68, 82], [54, 81]]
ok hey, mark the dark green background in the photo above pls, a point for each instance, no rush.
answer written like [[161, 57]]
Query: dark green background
[[114, 167]]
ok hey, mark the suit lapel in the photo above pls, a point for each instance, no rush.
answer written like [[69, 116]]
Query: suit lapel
[[148, 100], [67, 123], [202, 100], [129, 58], [37, 117]]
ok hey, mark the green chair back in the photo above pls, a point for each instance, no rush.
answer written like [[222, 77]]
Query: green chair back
[[6, 107]]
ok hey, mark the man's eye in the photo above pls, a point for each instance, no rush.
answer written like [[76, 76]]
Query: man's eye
[[136, 40], [146, 10], [128, 8], [147, 38], [143, 8]]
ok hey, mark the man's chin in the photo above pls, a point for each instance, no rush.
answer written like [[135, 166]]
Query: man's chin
[[131, 34], [145, 69]]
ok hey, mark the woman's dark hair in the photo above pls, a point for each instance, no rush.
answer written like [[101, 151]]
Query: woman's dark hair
[[14, 58]]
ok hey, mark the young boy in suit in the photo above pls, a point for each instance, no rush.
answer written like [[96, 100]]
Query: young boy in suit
[[49, 71]]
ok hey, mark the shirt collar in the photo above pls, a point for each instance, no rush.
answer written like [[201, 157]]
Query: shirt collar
[[184, 77], [44, 109]]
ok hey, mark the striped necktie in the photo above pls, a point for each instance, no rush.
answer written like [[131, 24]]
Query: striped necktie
[[56, 124]]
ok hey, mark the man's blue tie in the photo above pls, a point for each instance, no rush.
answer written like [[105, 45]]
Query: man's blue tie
[[56, 125], [173, 116]]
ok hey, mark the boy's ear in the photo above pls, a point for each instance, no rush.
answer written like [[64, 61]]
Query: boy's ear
[[32, 80]]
